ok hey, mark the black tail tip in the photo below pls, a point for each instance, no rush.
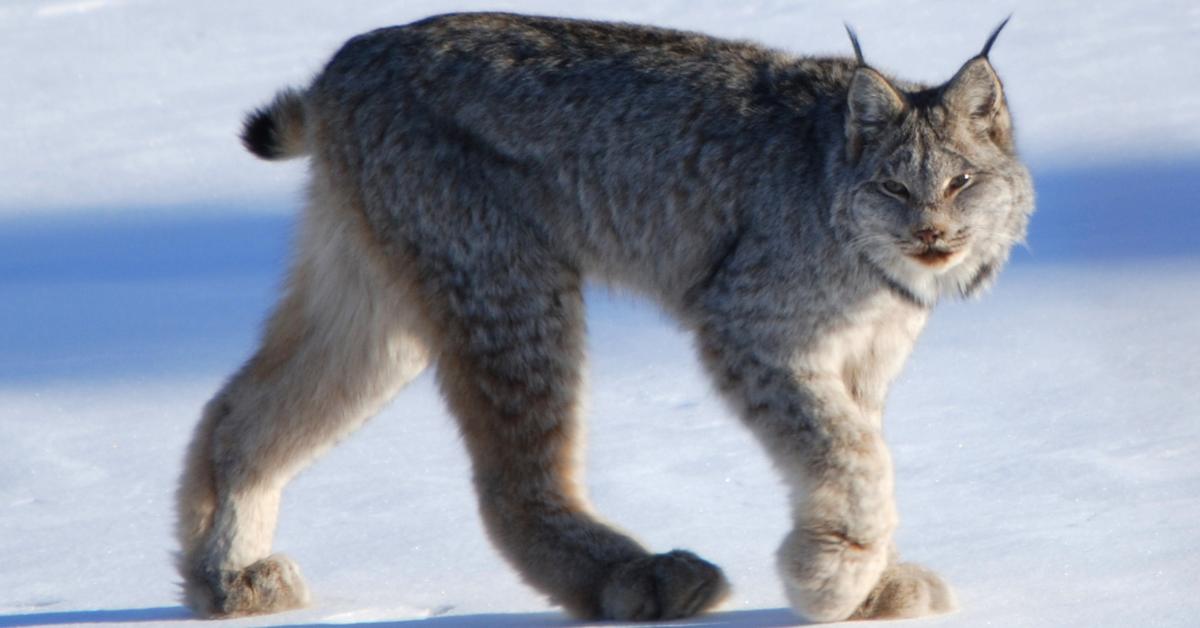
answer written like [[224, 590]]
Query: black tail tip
[[259, 134]]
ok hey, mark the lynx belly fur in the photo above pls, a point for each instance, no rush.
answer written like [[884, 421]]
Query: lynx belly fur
[[470, 172]]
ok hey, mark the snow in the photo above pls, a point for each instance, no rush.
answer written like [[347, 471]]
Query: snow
[[1047, 438]]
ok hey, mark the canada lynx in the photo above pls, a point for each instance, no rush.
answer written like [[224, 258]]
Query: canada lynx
[[469, 172]]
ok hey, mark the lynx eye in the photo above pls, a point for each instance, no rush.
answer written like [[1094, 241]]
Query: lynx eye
[[959, 182], [895, 188]]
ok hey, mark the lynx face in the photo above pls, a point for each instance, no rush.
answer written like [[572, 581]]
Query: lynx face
[[939, 196]]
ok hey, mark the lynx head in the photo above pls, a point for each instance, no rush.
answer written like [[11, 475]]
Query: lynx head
[[938, 196]]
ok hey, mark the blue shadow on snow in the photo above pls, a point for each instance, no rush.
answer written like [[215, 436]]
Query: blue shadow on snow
[[759, 618], [121, 616], [116, 294]]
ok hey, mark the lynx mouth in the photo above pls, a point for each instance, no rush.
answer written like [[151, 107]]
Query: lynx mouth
[[933, 257]]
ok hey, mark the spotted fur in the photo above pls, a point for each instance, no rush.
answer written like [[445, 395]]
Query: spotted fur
[[470, 172]]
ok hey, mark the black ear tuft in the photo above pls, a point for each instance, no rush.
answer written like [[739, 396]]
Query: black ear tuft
[[987, 48], [858, 55]]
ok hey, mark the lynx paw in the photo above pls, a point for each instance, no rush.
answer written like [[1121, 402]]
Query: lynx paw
[[906, 590], [663, 586], [270, 585], [826, 576]]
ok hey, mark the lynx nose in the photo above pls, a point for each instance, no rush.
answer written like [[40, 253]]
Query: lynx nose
[[928, 235]]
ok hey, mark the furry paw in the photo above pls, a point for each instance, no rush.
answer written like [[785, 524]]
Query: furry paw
[[825, 575], [663, 586], [270, 585], [906, 590]]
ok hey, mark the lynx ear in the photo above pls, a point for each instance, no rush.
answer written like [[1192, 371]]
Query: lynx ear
[[975, 96], [873, 106]]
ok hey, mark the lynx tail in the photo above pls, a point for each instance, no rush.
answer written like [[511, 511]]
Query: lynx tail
[[277, 130]]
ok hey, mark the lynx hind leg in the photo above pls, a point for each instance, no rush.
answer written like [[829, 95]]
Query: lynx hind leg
[[510, 370], [267, 585], [343, 339]]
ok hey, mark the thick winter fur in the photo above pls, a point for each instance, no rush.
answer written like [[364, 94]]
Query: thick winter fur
[[470, 172]]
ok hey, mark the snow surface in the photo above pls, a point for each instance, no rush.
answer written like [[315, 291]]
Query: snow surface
[[1047, 438]]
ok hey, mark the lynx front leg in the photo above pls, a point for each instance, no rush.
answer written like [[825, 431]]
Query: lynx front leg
[[837, 562], [510, 369], [842, 507], [906, 590]]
